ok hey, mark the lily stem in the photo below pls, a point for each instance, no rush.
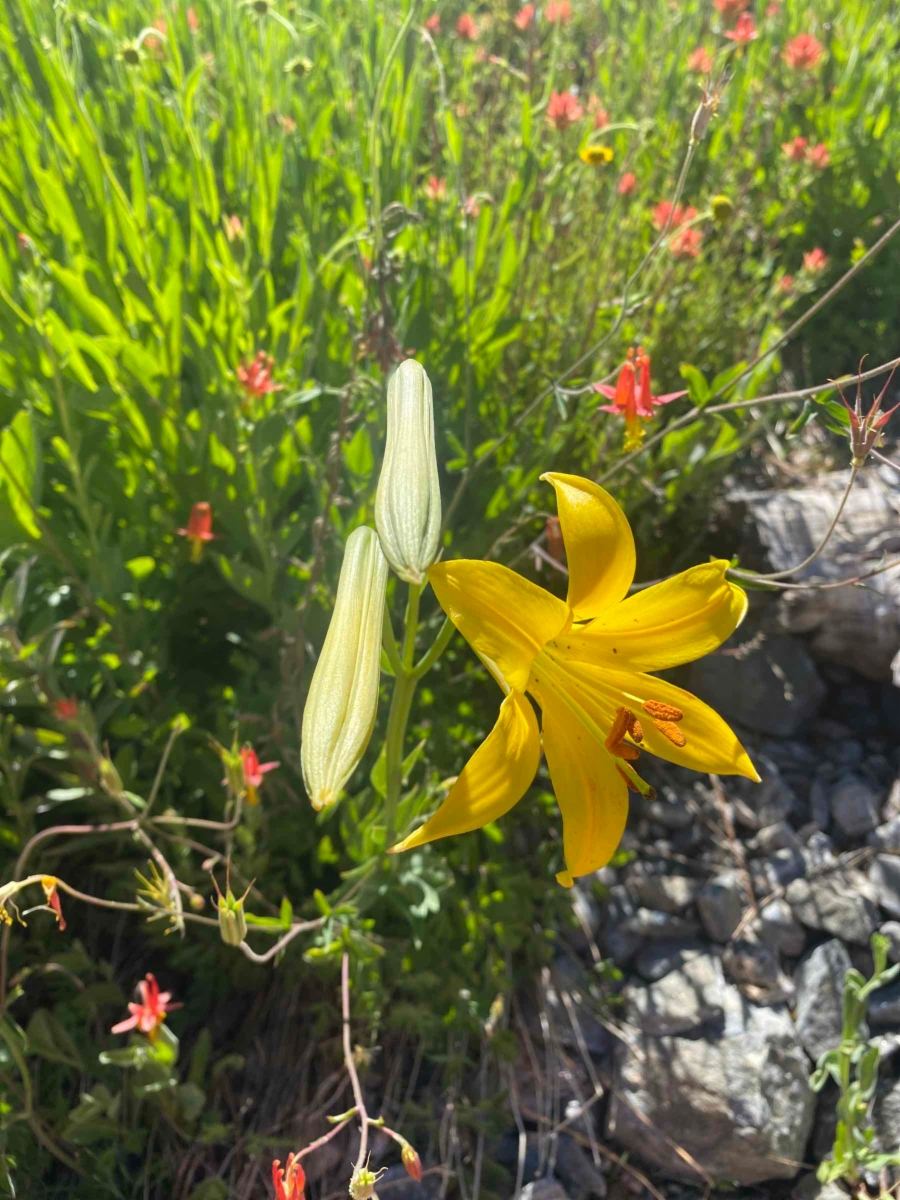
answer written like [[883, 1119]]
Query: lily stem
[[405, 682]]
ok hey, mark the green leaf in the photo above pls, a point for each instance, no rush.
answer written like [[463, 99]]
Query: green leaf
[[698, 389], [48, 1039], [19, 470], [358, 454], [141, 567]]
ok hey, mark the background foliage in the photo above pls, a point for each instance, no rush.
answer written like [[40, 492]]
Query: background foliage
[[337, 186]]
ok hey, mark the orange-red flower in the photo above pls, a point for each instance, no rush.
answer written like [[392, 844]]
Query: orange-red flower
[[471, 207], [412, 1162], [524, 16], [673, 215], [700, 60], [254, 771], [632, 397], [289, 1183], [256, 377], [199, 529], [598, 112], [467, 28], [785, 283], [816, 259], [52, 895], [150, 1012], [563, 110], [433, 24], [820, 156], [193, 20], [686, 243], [558, 11], [436, 189], [730, 8], [66, 709], [744, 32], [627, 184], [803, 52], [795, 149]]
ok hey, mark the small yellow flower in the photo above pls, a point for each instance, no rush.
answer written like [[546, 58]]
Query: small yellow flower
[[585, 661], [596, 155], [722, 208]]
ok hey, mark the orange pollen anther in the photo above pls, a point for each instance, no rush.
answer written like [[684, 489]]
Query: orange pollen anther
[[662, 712], [624, 723], [670, 730]]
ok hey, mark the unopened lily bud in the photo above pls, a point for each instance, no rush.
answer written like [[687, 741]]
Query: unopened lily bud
[[412, 1162], [408, 500], [343, 697]]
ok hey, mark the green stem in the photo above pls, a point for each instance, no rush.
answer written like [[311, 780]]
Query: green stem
[[438, 646], [405, 683], [389, 642]]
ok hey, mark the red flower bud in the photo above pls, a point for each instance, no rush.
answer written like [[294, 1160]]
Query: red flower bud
[[412, 1162]]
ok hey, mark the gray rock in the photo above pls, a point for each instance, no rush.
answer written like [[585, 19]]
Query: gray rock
[[820, 808], [811, 1189], [818, 984], [658, 958], [545, 1188], [778, 870], [886, 837], [666, 893], [854, 806], [670, 814], [772, 689], [841, 903], [741, 1106], [818, 851], [648, 923], [886, 1113], [620, 908], [680, 1002], [776, 926], [884, 875], [891, 930], [577, 1172], [756, 965], [884, 1006], [778, 836], [757, 805], [720, 903]]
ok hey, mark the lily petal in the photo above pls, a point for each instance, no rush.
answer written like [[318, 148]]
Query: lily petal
[[671, 623], [710, 744], [494, 779], [599, 544], [591, 794], [504, 617]]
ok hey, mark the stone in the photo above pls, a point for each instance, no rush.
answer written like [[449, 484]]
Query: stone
[[818, 986], [891, 930], [576, 1171], [741, 1106], [886, 1113], [818, 851], [884, 875], [773, 688], [681, 1002], [757, 805], [666, 893], [841, 903], [778, 870], [752, 963], [886, 837], [811, 1189], [648, 923], [884, 1006], [776, 926], [720, 903], [820, 805], [670, 814], [658, 958], [854, 806], [778, 836], [621, 946]]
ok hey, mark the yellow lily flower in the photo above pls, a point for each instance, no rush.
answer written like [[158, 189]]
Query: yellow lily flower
[[585, 662]]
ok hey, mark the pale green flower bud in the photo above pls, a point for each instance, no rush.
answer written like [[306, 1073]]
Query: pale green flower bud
[[408, 500], [343, 697]]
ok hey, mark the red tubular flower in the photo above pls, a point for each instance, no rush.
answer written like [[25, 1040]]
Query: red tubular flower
[[193, 20], [467, 28], [524, 16], [412, 1162], [820, 156], [686, 243], [289, 1183], [626, 184], [700, 60], [744, 32], [632, 397], [730, 8], [816, 259], [803, 52], [66, 709], [149, 1014], [866, 428], [49, 885], [199, 529], [563, 110], [436, 189], [254, 771], [672, 214], [256, 377], [795, 149], [558, 12]]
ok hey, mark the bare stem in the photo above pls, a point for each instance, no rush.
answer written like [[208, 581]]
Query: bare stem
[[351, 1065]]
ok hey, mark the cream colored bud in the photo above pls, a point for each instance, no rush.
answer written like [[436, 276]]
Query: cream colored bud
[[343, 697], [408, 500]]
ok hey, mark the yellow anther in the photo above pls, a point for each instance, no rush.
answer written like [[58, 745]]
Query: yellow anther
[[670, 730], [662, 712]]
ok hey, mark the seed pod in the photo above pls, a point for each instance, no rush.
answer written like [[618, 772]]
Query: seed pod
[[343, 696], [408, 500]]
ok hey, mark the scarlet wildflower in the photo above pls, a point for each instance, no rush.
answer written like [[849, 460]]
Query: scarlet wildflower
[[744, 32], [66, 709], [700, 60], [673, 215], [524, 16], [803, 52], [256, 377], [290, 1183], [433, 24], [199, 529], [254, 771], [563, 110], [627, 184], [467, 28], [785, 283], [632, 397], [820, 156], [558, 12], [730, 8], [685, 243], [866, 429], [795, 149], [436, 189], [598, 112], [150, 1012], [193, 20], [412, 1162], [815, 259], [49, 885]]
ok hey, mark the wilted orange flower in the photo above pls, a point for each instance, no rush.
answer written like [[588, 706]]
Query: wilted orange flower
[[730, 8], [436, 189], [803, 52], [816, 259], [700, 60], [467, 28], [558, 11], [820, 155], [433, 24], [744, 32], [524, 16], [627, 184], [795, 149], [199, 529], [290, 1183], [563, 110]]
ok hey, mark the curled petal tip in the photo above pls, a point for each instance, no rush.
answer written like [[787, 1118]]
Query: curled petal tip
[[565, 878]]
